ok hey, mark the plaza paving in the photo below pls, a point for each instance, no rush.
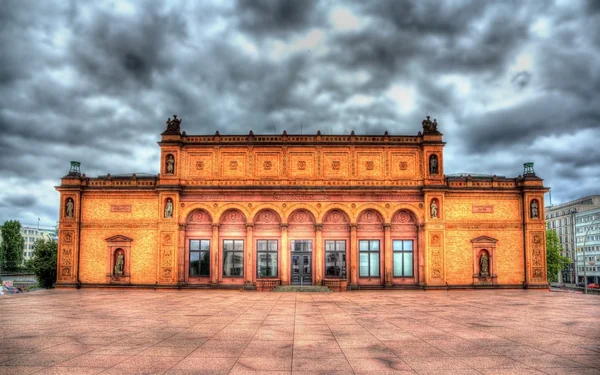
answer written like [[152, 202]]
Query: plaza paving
[[233, 332]]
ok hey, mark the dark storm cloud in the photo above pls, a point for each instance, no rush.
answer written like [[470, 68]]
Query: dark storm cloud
[[274, 17], [124, 53], [95, 82], [21, 201]]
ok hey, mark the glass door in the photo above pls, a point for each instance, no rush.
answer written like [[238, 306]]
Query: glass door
[[301, 262]]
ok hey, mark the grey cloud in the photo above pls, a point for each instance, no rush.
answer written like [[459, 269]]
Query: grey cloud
[[21, 201], [92, 83], [274, 17]]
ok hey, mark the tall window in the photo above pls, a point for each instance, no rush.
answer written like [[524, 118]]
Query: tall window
[[403, 258], [199, 258], [369, 258], [266, 251], [233, 258], [335, 259]]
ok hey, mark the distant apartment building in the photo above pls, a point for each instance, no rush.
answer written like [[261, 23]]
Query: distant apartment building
[[32, 234], [587, 231], [563, 218]]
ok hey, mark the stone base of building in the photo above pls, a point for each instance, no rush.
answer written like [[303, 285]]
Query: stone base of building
[[268, 285]]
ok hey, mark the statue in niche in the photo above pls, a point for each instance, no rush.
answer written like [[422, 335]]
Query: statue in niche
[[70, 207], [534, 209], [170, 164], [119, 264], [434, 208], [433, 164], [169, 208], [483, 264]]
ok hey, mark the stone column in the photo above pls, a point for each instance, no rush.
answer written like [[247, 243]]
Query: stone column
[[388, 255], [353, 257], [214, 255], [285, 256], [181, 255], [249, 258], [318, 255], [422, 248]]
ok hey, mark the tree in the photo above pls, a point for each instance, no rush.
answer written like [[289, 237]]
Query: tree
[[43, 262], [11, 250], [554, 261]]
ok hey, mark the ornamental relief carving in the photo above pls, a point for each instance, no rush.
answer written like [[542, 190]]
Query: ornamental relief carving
[[166, 273], [477, 226], [199, 216], [437, 261], [335, 217], [267, 217], [68, 237], [200, 165], [403, 217], [301, 217], [267, 165], [67, 251], [369, 165], [403, 165], [335, 165], [537, 251], [167, 239], [126, 225], [301, 165], [233, 165], [370, 217]]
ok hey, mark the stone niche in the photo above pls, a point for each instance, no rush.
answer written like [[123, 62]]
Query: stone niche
[[119, 260], [484, 270]]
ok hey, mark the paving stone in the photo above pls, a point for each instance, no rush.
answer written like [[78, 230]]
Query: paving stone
[[504, 332]]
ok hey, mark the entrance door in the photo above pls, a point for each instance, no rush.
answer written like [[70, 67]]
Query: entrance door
[[302, 269]]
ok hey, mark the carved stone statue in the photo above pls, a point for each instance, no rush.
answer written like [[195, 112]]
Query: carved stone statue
[[534, 209], [434, 208], [170, 164], [433, 164], [429, 126], [483, 264], [70, 207], [173, 125], [169, 208], [119, 264]]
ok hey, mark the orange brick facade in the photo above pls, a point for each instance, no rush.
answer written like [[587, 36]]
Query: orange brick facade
[[383, 200]]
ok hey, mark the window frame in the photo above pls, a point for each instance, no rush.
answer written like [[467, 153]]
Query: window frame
[[402, 251], [369, 252], [233, 253], [343, 270], [200, 252], [267, 252]]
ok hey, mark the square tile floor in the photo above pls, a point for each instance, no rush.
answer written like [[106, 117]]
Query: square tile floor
[[231, 332]]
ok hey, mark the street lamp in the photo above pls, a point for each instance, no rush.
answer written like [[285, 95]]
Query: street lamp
[[596, 218]]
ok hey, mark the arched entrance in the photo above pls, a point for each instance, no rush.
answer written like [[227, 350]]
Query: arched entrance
[[404, 248], [199, 249], [336, 245], [235, 248], [371, 248], [267, 239], [301, 233]]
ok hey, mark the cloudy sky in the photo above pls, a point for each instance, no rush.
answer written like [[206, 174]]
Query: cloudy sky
[[508, 81]]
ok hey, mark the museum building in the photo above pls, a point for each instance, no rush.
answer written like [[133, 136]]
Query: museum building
[[345, 211]]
